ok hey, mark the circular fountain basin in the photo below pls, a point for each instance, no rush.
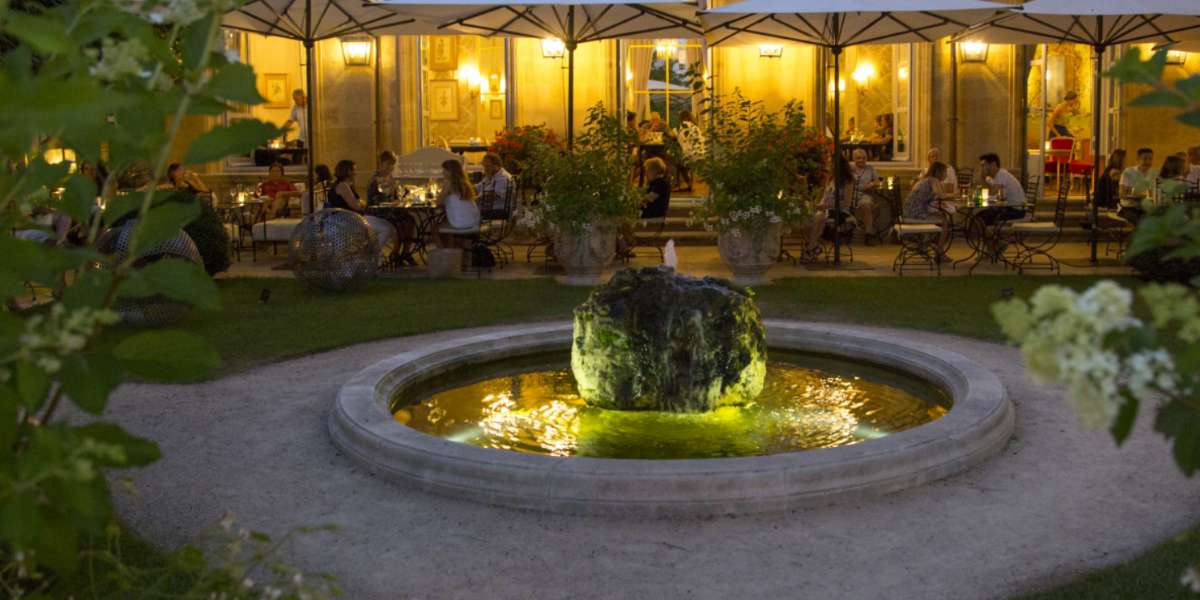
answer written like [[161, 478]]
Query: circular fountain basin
[[364, 424]]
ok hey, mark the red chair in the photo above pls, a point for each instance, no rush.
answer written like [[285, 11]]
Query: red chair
[[1082, 167], [1058, 157]]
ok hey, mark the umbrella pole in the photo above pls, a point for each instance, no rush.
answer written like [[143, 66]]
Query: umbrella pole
[[1099, 165], [571, 76], [308, 118], [837, 153]]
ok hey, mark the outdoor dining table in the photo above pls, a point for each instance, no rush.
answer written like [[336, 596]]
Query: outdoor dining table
[[983, 239], [242, 214], [418, 217]]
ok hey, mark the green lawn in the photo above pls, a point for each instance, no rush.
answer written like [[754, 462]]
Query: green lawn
[[296, 321]]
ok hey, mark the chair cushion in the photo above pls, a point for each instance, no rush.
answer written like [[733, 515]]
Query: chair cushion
[[1035, 226], [274, 230], [916, 229], [456, 231]]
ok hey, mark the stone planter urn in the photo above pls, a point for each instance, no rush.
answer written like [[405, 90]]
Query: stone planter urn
[[585, 254], [750, 252]]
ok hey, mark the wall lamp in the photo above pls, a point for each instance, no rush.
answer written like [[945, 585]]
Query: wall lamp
[[770, 50], [553, 48], [356, 50], [974, 52]]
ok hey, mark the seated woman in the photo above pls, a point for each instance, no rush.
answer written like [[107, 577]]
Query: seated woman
[[182, 179], [928, 202], [383, 186], [1172, 178], [271, 188], [826, 208], [344, 196], [1108, 188], [457, 198]]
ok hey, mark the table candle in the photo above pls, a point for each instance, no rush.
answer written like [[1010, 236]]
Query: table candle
[[983, 194]]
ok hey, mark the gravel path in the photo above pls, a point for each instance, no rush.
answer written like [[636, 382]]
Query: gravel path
[[1057, 501]]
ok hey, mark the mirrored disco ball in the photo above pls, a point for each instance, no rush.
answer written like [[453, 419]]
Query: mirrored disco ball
[[157, 310], [334, 249]]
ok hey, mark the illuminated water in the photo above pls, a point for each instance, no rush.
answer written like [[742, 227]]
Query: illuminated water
[[530, 405]]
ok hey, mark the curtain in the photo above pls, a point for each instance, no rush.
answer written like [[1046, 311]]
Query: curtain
[[638, 60]]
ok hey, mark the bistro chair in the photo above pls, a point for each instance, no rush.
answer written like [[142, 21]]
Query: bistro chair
[[923, 241], [497, 221], [1058, 158], [1035, 238]]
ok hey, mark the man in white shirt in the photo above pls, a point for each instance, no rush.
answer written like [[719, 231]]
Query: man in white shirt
[[865, 179], [1138, 181], [1003, 185], [495, 185], [299, 117]]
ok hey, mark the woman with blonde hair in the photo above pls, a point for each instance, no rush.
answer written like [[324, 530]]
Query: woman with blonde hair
[[457, 198]]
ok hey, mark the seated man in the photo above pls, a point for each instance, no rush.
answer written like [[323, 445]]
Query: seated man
[[1137, 183], [1003, 186], [866, 180], [494, 188], [658, 190]]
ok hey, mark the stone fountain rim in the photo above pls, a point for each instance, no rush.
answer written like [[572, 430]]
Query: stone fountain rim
[[978, 424]]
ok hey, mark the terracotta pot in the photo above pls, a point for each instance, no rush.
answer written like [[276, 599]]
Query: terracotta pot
[[585, 254], [750, 252]]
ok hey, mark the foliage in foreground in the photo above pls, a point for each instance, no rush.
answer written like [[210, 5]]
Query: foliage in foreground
[[111, 81]]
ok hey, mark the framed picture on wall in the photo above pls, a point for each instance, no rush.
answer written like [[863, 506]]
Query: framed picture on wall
[[274, 89], [443, 100], [496, 109], [443, 53]]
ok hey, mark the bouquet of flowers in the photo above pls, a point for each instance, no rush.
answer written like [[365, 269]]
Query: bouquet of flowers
[[517, 146]]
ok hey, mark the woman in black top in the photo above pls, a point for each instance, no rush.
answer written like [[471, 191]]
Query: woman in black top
[[1108, 189], [343, 195], [658, 191]]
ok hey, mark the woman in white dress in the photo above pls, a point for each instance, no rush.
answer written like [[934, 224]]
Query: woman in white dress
[[457, 198]]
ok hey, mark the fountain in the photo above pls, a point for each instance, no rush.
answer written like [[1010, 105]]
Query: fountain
[[659, 399]]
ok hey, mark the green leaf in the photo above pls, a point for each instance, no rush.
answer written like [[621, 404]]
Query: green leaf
[[177, 279], [90, 290], [32, 261], [19, 519], [238, 138], [136, 451], [1189, 86], [42, 33], [88, 379], [235, 82], [57, 543], [121, 206], [80, 198], [1160, 98], [195, 40], [1179, 421], [11, 327], [1191, 118], [169, 355], [8, 419], [164, 222], [1125, 419], [32, 384]]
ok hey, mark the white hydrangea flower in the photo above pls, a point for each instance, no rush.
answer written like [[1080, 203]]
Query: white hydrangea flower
[[1191, 580], [117, 60], [1150, 370]]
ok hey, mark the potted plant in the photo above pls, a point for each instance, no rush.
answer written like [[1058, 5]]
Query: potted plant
[[516, 146], [586, 196], [759, 166]]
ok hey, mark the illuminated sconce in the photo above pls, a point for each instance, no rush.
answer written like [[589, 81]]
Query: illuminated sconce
[[863, 73], [841, 86], [553, 48], [1176, 57], [665, 49], [356, 50], [902, 73], [770, 50], [974, 52]]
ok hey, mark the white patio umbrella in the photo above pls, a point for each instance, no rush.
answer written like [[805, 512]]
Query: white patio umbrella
[[1100, 24], [573, 23], [809, 22], [310, 21]]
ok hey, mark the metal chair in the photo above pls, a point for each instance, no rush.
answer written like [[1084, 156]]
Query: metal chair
[[497, 221], [1034, 238], [923, 241]]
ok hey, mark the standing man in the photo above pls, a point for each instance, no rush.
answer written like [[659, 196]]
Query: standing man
[[299, 117]]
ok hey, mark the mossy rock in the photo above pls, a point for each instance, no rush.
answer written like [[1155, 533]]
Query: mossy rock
[[653, 340]]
